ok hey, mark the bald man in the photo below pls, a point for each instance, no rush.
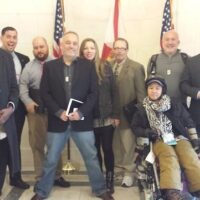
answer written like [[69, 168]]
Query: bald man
[[37, 117], [170, 64]]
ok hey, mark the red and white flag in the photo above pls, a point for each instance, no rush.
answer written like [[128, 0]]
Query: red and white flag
[[58, 28], [115, 29]]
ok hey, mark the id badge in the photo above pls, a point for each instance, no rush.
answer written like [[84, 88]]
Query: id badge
[[169, 72], [66, 78], [169, 139]]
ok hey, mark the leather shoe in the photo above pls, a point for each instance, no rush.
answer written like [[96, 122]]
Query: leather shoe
[[19, 183], [37, 197], [61, 182], [106, 196]]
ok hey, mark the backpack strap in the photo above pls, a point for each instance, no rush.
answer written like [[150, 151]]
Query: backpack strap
[[184, 57], [153, 64], [154, 57]]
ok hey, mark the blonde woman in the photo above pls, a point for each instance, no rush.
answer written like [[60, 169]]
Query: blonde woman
[[106, 110]]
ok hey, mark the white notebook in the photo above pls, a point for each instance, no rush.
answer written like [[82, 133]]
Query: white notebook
[[73, 106]]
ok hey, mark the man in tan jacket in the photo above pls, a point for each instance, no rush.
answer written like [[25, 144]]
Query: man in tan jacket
[[130, 78]]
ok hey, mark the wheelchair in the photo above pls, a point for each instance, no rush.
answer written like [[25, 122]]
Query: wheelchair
[[147, 174]]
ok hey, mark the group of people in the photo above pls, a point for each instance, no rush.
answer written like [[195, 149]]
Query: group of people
[[41, 89]]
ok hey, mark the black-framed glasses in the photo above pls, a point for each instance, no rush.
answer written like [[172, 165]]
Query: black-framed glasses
[[120, 48]]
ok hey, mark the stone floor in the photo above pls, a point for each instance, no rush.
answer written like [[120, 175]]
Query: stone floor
[[79, 190]]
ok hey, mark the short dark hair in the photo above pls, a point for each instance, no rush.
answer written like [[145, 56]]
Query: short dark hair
[[121, 39], [7, 28]]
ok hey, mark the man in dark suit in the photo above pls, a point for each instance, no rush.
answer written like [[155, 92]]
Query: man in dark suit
[[190, 86], [8, 101], [65, 78], [9, 42]]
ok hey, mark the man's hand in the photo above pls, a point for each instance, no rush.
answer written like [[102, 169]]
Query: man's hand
[[198, 95], [30, 107], [5, 114], [152, 135], [115, 122], [74, 116], [63, 116]]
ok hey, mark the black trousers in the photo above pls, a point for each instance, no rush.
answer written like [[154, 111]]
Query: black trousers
[[4, 160], [104, 140], [20, 113]]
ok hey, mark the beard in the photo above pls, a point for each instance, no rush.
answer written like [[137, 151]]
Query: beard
[[41, 56]]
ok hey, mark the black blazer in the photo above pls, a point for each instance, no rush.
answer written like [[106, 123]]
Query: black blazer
[[9, 92], [190, 85], [84, 88], [20, 111], [23, 59]]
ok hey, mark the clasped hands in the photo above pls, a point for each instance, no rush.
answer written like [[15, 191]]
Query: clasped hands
[[152, 135], [74, 116]]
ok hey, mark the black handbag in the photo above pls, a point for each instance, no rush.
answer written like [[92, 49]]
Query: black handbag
[[129, 110], [35, 95]]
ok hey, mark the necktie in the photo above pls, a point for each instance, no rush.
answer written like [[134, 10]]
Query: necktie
[[116, 71], [42, 66]]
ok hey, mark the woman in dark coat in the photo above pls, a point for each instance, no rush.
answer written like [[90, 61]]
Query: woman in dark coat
[[8, 101], [106, 109], [164, 121]]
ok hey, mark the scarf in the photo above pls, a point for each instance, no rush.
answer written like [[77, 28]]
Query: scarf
[[158, 121]]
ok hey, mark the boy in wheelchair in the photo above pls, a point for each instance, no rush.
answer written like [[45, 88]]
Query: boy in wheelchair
[[174, 139]]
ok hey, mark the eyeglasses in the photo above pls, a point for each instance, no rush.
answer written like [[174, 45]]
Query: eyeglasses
[[120, 48]]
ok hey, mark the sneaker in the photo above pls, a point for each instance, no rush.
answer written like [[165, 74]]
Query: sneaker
[[127, 181]]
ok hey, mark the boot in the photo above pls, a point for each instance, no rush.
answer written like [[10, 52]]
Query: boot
[[110, 181], [173, 194], [196, 194]]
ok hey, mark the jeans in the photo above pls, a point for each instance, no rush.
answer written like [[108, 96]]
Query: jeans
[[85, 143]]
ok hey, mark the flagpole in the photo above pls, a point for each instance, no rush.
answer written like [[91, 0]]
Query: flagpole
[[68, 166]]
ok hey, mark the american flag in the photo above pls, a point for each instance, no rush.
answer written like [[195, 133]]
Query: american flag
[[167, 18], [58, 29]]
